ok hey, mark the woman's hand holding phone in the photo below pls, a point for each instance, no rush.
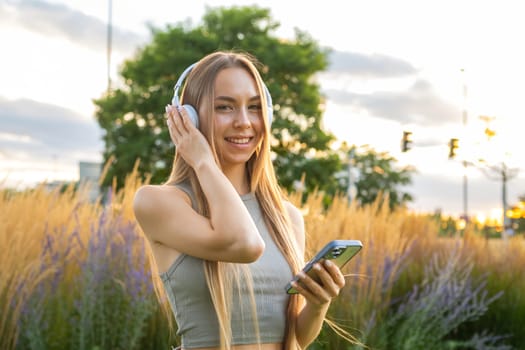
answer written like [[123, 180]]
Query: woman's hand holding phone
[[330, 281], [190, 142], [321, 277]]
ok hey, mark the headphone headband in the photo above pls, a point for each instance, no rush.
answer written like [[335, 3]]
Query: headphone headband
[[175, 101]]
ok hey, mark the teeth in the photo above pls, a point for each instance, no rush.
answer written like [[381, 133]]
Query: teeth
[[239, 141]]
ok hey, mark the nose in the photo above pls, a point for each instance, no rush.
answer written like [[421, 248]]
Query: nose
[[242, 119]]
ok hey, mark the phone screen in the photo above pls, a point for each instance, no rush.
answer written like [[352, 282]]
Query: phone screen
[[338, 251]]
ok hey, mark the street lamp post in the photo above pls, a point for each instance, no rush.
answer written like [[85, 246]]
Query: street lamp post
[[465, 163], [501, 172], [109, 39], [351, 154]]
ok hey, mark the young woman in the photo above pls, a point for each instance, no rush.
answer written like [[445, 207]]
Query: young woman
[[224, 239]]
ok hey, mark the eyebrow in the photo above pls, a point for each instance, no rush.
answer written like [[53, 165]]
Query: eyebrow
[[231, 99]]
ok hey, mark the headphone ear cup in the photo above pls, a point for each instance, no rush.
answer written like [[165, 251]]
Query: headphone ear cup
[[269, 105], [270, 114], [192, 114]]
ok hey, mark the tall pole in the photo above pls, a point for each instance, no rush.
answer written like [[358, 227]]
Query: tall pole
[[465, 163], [505, 221], [502, 173], [350, 177], [506, 175], [110, 5]]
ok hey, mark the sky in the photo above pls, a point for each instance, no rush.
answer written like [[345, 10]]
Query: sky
[[418, 66]]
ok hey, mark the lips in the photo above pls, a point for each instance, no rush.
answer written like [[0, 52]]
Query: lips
[[239, 140]]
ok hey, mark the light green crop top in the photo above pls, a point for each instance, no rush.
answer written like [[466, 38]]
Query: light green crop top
[[191, 303]]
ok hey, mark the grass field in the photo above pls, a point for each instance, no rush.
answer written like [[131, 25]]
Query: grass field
[[75, 274]]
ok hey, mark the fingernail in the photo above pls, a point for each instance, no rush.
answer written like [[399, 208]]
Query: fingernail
[[328, 263], [317, 267]]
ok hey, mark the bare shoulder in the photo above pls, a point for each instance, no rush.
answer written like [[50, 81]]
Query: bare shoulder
[[297, 220], [153, 202], [151, 197]]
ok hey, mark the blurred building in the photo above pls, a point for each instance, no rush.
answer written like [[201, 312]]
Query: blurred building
[[89, 175]]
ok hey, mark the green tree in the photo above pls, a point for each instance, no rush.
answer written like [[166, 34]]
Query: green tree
[[132, 115], [377, 175]]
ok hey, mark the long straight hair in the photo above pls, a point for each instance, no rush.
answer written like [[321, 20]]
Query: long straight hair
[[198, 92]]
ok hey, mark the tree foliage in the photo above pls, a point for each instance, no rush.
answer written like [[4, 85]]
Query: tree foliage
[[377, 174], [133, 118], [133, 115]]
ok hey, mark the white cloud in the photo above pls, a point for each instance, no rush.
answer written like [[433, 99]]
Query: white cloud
[[372, 66], [39, 129], [419, 105], [58, 20]]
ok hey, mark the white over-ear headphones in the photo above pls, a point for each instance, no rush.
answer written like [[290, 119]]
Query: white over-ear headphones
[[192, 112]]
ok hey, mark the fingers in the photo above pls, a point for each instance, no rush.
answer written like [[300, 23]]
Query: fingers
[[175, 120], [337, 276], [331, 280], [177, 116], [171, 128], [311, 290]]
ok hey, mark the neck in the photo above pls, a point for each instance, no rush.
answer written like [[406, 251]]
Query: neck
[[238, 177]]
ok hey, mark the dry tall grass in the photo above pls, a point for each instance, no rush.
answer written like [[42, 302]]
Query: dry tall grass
[[32, 220], [24, 220], [394, 242], [397, 247], [387, 238]]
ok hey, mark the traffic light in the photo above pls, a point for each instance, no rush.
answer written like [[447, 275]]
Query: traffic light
[[406, 143], [452, 147]]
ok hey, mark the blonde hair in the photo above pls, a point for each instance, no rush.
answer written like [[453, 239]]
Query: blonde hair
[[199, 92]]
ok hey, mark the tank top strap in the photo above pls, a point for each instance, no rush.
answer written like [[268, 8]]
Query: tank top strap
[[185, 186]]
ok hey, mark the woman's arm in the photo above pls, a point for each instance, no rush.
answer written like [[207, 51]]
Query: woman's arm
[[317, 295], [166, 216]]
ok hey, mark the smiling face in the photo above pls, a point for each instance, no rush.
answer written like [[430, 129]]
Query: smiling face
[[237, 115]]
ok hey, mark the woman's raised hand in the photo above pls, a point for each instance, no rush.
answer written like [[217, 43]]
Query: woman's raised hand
[[190, 142]]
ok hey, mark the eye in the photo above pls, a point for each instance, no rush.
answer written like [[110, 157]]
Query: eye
[[223, 108], [255, 107]]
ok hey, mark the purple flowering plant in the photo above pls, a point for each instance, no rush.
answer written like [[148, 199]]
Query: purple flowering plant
[[98, 294]]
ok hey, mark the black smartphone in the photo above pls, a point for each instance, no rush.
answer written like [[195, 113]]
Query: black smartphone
[[338, 251]]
